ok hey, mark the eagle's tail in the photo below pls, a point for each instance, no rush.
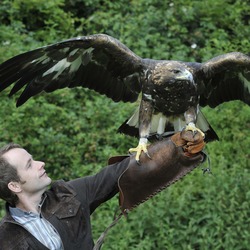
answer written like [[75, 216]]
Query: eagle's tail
[[131, 126], [163, 126], [203, 124]]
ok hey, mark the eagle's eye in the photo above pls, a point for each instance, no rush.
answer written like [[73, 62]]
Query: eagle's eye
[[176, 71]]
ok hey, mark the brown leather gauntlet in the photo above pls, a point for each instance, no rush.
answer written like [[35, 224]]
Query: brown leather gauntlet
[[172, 158]]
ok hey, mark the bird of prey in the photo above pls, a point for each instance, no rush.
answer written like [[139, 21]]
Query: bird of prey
[[171, 92]]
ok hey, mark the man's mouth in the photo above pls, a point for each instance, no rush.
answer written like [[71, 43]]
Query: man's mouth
[[44, 173]]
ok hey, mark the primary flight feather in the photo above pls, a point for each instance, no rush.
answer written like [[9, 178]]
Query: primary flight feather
[[172, 91]]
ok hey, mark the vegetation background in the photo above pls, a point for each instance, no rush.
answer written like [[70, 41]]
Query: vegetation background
[[69, 129]]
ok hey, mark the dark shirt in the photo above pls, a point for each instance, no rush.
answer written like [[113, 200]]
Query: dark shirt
[[67, 207]]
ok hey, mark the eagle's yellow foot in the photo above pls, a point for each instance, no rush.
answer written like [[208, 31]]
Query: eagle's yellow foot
[[142, 147], [191, 127]]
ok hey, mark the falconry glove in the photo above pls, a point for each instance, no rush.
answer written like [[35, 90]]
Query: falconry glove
[[172, 159]]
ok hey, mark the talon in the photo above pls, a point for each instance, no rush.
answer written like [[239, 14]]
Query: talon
[[138, 163], [148, 155], [142, 147], [191, 127], [130, 153]]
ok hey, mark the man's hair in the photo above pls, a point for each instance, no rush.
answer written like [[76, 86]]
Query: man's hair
[[8, 173]]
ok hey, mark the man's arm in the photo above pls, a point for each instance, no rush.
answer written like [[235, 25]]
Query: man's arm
[[101, 187]]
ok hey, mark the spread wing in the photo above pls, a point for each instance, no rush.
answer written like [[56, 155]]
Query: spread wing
[[97, 62], [226, 78]]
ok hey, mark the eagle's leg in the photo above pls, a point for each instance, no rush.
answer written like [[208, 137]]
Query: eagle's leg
[[145, 115], [190, 117]]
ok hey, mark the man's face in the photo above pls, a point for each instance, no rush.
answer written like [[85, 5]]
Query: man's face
[[32, 173]]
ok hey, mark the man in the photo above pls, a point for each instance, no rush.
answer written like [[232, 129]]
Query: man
[[59, 218]]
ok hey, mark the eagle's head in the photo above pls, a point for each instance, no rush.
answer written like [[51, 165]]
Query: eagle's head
[[171, 72]]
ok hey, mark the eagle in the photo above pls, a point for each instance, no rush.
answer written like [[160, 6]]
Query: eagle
[[171, 93]]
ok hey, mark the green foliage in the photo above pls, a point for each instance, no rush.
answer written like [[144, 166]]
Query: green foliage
[[68, 130]]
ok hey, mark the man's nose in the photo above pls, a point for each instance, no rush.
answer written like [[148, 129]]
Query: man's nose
[[40, 164]]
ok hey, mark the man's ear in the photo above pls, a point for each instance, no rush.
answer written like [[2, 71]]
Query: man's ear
[[14, 187]]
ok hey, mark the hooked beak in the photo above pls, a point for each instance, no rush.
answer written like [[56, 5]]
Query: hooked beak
[[185, 75]]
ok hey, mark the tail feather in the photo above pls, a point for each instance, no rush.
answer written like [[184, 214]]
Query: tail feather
[[202, 123], [126, 129], [162, 126]]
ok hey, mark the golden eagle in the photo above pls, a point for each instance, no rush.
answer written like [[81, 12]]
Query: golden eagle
[[172, 91]]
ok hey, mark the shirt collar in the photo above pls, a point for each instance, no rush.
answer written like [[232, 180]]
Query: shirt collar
[[15, 211]]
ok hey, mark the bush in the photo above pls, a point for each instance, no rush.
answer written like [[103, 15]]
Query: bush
[[68, 130]]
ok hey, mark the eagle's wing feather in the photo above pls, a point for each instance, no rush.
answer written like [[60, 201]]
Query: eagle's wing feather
[[97, 62], [226, 78]]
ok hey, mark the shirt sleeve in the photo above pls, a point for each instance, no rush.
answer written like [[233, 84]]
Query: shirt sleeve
[[100, 187]]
